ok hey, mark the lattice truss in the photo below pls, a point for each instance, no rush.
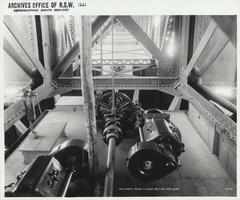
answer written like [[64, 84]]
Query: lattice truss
[[125, 47]]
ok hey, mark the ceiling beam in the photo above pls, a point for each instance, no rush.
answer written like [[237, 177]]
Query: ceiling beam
[[143, 83], [130, 24]]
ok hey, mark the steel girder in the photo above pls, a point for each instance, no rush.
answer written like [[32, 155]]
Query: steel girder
[[25, 59], [20, 127], [222, 122], [96, 63], [228, 24], [202, 44], [175, 104], [168, 85], [66, 61], [217, 98], [48, 44], [16, 111], [217, 49], [117, 62], [163, 84], [130, 24], [104, 28], [19, 56], [21, 42], [75, 50], [214, 116], [121, 82], [164, 30], [98, 22]]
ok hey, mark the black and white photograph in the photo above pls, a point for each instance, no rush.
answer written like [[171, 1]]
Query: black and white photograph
[[119, 105]]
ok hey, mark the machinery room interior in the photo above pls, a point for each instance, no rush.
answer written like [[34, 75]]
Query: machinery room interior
[[120, 105]]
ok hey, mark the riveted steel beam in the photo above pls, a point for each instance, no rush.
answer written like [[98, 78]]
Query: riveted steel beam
[[202, 44], [96, 37], [223, 123], [68, 59], [20, 58], [21, 42], [216, 50], [116, 62], [228, 24], [184, 43], [168, 85], [209, 94], [175, 104], [163, 39], [20, 127], [147, 82], [131, 25], [48, 43], [16, 111], [134, 69], [98, 22], [171, 91]]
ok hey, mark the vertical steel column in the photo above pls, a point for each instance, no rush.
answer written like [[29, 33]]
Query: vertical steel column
[[183, 43], [49, 55], [87, 88]]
